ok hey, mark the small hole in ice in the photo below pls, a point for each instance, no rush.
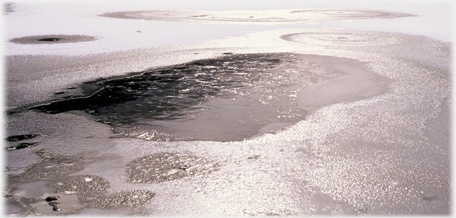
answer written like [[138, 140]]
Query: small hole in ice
[[49, 39]]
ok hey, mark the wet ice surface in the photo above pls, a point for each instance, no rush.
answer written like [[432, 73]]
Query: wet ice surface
[[224, 99], [367, 154]]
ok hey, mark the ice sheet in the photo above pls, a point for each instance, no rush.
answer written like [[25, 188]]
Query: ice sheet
[[123, 34], [378, 155]]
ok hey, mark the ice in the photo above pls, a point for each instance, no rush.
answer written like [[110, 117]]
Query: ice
[[361, 151], [122, 34], [258, 16]]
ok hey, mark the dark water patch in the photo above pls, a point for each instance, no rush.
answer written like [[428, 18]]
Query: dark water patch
[[156, 94], [21, 146], [51, 39], [13, 111], [52, 198], [14, 138], [166, 166]]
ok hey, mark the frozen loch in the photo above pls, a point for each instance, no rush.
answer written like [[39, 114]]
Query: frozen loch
[[223, 112]]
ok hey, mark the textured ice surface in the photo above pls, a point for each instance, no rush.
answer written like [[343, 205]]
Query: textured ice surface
[[162, 167], [382, 155], [249, 16], [343, 38]]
